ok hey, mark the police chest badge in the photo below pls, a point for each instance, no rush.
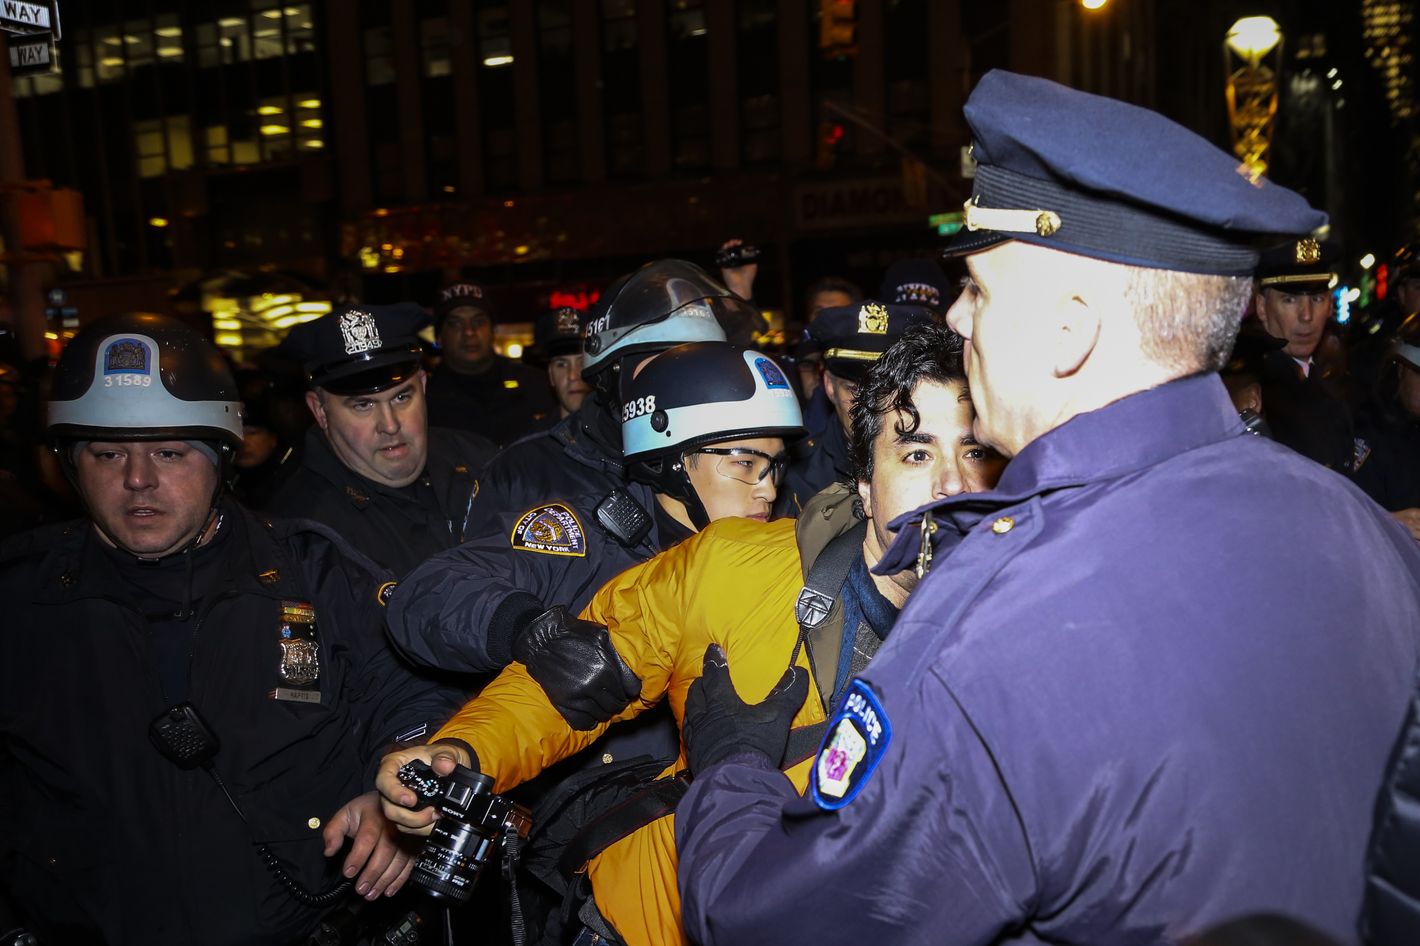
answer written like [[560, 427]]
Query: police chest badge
[[298, 674], [855, 742], [552, 529]]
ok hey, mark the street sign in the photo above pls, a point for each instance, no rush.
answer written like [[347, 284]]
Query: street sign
[[31, 55], [17, 16]]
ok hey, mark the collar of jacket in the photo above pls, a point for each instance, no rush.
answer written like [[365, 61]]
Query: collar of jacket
[[1134, 433], [581, 434], [322, 461], [76, 568]]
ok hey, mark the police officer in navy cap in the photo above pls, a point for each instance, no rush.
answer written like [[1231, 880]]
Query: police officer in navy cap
[[474, 388], [557, 347], [850, 338], [1294, 303], [372, 468], [1152, 680]]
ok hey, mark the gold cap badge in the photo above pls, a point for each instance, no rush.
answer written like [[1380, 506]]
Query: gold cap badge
[[873, 319], [1308, 251]]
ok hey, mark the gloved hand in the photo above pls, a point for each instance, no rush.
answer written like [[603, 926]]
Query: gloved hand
[[577, 667], [718, 723]]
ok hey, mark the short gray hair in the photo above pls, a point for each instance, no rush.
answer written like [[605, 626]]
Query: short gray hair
[[1187, 321]]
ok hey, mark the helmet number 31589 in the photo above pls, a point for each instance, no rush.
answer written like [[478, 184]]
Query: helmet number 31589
[[128, 380]]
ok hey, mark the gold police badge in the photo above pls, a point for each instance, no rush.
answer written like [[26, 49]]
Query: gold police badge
[[1308, 251], [873, 319]]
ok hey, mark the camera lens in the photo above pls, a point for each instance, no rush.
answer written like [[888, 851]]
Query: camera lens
[[452, 859]]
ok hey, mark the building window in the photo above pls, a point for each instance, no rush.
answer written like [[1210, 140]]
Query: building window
[[162, 144], [168, 37], [557, 91], [266, 39], [621, 89], [300, 29], [495, 83], [689, 85], [108, 46], [379, 56], [757, 63], [434, 47]]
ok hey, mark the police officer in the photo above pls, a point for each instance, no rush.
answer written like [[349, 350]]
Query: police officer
[[1306, 406], [373, 469], [850, 339], [1065, 736], [557, 347], [1388, 458], [475, 388], [168, 605]]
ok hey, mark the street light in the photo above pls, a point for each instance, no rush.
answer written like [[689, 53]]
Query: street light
[[1252, 88]]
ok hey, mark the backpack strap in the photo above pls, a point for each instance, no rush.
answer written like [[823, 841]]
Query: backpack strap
[[655, 800]]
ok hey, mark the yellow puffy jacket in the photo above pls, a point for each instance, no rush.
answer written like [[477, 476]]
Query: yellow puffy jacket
[[734, 584]]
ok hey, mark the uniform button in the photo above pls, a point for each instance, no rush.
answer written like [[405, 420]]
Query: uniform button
[[313, 823], [606, 758], [1003, 525]]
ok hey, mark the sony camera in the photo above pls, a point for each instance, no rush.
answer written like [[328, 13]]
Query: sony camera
[[474, 824]]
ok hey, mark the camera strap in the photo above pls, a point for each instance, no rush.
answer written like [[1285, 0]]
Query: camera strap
[[656, 800]]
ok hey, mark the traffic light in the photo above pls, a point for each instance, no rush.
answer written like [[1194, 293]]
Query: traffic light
[[830, 136], [838, 28]]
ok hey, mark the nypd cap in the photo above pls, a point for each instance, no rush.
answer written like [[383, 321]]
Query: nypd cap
[[852, 337], [1100, 178], [1298, 265], [555, 334], [359, 349], [457, 296], [916, 282]]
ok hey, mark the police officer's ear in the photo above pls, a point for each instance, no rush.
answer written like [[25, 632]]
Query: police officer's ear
[[1076, 329], [316, 403]]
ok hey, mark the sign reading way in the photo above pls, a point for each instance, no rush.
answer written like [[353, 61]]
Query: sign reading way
[[31, 56], [17, 16]]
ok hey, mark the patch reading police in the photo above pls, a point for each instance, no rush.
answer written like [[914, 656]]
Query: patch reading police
[[126, 356], [552, 529], [769, 371], [854, 745]]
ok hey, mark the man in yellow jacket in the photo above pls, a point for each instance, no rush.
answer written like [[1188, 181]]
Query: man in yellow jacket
[[735, 584]]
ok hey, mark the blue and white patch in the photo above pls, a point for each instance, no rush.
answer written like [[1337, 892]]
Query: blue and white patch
[[126, 356], [769, 371], [552, 529], [856, 740]]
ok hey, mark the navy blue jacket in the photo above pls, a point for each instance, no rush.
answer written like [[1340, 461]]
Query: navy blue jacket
[[1154, 686]]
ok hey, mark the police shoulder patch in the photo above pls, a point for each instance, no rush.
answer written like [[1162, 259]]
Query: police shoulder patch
[[385, 592], [552, 529], [854, 744]]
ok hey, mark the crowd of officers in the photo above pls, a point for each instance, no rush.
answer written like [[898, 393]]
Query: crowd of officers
[[980, 617]]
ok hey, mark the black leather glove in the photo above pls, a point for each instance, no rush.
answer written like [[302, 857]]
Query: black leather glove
[[577, 667], [718, 723]]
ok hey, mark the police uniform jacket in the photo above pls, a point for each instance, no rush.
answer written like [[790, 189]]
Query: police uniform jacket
[[733, 584], [534, 542], [1153, 687], [1307, 413], [399, 528], [503, 403], [104, 839], [1388, 464], [823, 463]]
